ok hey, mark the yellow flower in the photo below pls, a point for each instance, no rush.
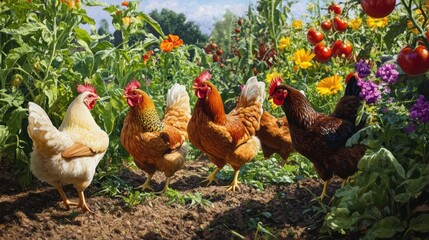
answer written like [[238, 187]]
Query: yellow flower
[[271, 76], [411, 27], [173, 41], [303, 59], [284, 43], [355, 23], [126, 21], [297, 24], [330, 85], [273, 105], [376, 22]]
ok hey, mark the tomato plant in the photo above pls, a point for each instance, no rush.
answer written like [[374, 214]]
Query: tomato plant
[[414, 62], [323, 53], [378, 8], [340, 24], [336, 8], [340, 48], [314, 36]]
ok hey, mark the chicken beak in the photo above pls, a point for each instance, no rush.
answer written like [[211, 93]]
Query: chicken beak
[[194, 87], [124, 96]]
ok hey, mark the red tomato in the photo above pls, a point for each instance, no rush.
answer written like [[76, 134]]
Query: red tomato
[[219, 52], [340, 25], [314, 37], [237, 30], [216, 58], [322, 52], [124, 3], [414, 62], [378, 8], [326, 25], [340, 48], [336, 8]]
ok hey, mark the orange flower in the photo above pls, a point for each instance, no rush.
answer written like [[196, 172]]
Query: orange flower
[[124, 3], [173, 41], [147, 56]]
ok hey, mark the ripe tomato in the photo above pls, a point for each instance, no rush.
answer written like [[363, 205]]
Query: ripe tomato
[[326, 25], [314, 37], [340, 48], [124, 3], [240, 21], [322, 52], [237, 30], [336, 8], [414, 62], [340, 25], [378, 8], [216, 58], [219, 52]]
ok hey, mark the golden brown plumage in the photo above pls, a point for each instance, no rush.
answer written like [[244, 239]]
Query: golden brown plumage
[[320, 137], [69, 154], [275, 136], [226, 138], [156, 145]]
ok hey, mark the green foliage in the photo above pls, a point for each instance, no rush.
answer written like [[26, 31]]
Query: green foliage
[[189, 199], [135, 197]]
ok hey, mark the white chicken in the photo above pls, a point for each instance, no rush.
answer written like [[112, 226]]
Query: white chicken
[[69, 154]]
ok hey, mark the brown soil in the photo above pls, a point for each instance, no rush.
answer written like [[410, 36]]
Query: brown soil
[[284, 210]]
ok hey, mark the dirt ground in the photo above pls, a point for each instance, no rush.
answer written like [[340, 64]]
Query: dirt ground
[[284, 210]]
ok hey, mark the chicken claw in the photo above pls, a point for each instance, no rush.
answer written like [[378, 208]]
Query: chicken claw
[[167, 183], [146, 184], [234, 183], [323, 194], [66, 202], [82, 203], [212, 177]]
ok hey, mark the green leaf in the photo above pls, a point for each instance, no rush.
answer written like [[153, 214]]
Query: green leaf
[[152, 23], [403, 197], [83, 35], [395, 30], [385, 228], [15, 119], [420, 223]]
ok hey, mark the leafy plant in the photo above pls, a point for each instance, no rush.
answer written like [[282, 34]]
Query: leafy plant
[[174, 196]]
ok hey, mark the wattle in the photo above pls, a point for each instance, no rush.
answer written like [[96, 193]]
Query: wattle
[[200, 94], [130, 102], [278, 101]]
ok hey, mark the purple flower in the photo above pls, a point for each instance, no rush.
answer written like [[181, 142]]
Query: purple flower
[[387, 73], [369, 91], [362, 69], [420, 110], [411, 127]]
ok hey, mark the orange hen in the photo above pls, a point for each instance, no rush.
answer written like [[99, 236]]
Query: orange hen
[[156, 145], [226, 138]]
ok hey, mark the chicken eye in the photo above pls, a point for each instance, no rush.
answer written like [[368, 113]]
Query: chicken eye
[[134, 93], [203, 85]]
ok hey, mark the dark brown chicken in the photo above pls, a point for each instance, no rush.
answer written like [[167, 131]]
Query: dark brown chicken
[[275, 136], [320, 137]]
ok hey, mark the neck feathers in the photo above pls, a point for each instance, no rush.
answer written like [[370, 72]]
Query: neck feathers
[[146, 115], [298, 109], [212, 106], [78, 116]]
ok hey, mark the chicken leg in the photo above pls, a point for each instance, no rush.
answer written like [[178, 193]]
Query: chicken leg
[[235, 182], [82, 202], [66, 202], [167, 182], [325, 189], [212, 177], [146, 184]]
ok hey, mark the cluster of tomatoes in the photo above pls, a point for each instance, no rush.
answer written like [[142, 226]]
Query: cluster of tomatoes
[[413, 61], [72, 3], [338, 48], [216, 52]]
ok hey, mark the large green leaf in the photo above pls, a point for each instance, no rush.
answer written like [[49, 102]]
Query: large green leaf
[[385, 228], [83, 35], [152, 23], [420, 223]]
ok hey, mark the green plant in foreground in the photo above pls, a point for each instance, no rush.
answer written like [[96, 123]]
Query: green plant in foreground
[[174, 196]]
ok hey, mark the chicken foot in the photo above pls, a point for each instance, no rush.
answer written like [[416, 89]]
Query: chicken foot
[[235, 182], [82, 203], [66, 202], [167, 183], [146, 184], [212, 177]]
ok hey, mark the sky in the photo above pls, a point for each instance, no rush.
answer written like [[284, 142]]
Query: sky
[[203, 12]]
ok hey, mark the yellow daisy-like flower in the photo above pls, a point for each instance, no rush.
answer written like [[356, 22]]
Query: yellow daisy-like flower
[[271, 76], [355, 23], [297, 24], [284, 43], [376, 22], [273, 105], [411, 27], [330, 85], [303, 59]]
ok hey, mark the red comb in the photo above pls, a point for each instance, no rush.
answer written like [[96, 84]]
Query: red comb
[[86, 88], [132, 85], [204, 76], [274, 83]]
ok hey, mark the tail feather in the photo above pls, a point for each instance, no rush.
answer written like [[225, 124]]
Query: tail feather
[[253, 92], [352, 89], [43, 133], [178, 111]]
